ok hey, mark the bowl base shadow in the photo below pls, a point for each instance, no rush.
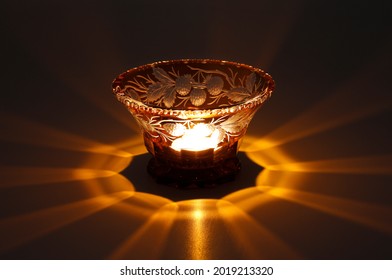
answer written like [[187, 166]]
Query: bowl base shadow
[[224, 172], [137, 173]]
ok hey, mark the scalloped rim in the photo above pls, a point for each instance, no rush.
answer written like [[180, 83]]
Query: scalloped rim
[[194, 113]]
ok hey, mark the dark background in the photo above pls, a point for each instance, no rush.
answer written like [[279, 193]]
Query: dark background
[[316, 182]]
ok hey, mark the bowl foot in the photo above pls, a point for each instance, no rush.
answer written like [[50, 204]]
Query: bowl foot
[[163, 173]]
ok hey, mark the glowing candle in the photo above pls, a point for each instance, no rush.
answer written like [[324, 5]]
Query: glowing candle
[[193, 114], [198, 138]]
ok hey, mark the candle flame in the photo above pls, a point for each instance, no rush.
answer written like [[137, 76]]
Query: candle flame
[[200, 137]]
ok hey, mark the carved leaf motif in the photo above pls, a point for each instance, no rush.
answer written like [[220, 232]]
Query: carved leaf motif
[[175, 129], [250, 82], [183, 84], [132, 94], [162, 76], [198, 96], [145, 124], [214, 85], [237, 122], [220, 134], [232, 127], [169, 98], [238, 94], [155, 91]]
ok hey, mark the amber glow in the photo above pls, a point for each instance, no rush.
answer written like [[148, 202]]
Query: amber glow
[[250, 236], [362, 165], [334, 111], [20, 176], [200, 137], [192, 229], [45, 221], [54, 137], [199, 245], [145, 243], [320, 190], [364, 213]]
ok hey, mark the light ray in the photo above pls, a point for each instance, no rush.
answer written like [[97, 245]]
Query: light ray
[[141, 205], [198, 235], [22, 130], [196, 232], [107, 185], [262, 153], [247, 199], [342, 107], [276, 178], [371, 215], [358, 165], [135, 146], [256, 241], [21, 229], [88, 154], [148, 241], [22, 176], [311, 123], [202, 229]]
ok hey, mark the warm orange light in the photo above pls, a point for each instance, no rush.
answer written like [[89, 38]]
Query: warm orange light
[[200, 137], [193, 114]]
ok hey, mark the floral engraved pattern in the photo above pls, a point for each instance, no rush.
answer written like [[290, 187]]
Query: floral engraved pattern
[[175, 101], [169, 130], [236, 123], [169, 89]]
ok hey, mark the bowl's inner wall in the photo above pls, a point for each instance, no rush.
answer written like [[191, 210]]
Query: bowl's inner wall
[[189, 85]]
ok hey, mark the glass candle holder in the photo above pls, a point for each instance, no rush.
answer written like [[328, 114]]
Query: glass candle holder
[[193, 114]]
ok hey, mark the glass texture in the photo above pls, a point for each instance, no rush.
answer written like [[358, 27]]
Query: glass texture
[[193, 112]]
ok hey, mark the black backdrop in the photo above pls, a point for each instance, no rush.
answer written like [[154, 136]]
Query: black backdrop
[[323, 138]]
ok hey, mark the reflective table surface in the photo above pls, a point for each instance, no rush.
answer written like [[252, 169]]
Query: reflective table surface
[[316, 161]]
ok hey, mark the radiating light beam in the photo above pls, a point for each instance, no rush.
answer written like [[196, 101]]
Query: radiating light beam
[[255, 241], [374, 216], [13, 176], [141, 204], [312, 122], [199, 235], [358, 98], [256, 150], [247, 199], [22, 130], [192, 232], [148, 241], [357, 165], [18, 230]]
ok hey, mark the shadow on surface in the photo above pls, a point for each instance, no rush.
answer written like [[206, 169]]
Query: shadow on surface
[[143, 182]]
